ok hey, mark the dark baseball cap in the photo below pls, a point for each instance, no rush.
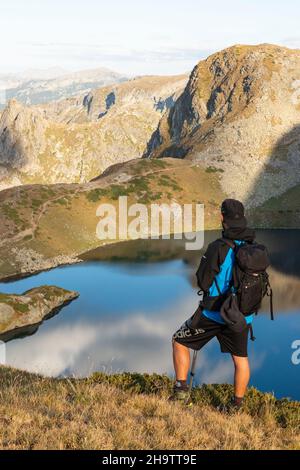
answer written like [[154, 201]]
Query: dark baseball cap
[[233, 212]]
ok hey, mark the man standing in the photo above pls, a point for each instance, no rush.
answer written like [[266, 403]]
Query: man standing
[[214, 278]]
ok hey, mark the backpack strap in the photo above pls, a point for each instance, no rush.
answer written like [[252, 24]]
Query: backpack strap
[[229, 243], [217, 286]]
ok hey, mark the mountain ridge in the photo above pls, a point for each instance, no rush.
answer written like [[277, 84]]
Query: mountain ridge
[[76, 139], [38, 87], [239, 114]]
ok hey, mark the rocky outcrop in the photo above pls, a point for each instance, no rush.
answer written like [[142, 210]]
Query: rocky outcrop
[[20, 312], [32, 262], [22, 140], [76, 139], [239, 117]]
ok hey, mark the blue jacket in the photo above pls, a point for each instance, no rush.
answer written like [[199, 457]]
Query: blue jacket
[[217, 263]]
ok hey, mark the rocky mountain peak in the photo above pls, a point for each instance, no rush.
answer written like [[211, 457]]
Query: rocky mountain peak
[[237, 110]]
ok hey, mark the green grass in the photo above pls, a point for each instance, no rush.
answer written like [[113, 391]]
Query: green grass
[[36, 203], [288, 200], [23, 308], [167, 181], [212, 169], [17, 306], [4, 297], [62, 201], [159, 163], [138, 186], [96, 194], [117, 191], [278, 212], [11, 213]]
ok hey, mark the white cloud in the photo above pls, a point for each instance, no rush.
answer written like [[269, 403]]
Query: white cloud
[[74, 56], [136, 37], [292, 42], [53, 351], [137, 343]]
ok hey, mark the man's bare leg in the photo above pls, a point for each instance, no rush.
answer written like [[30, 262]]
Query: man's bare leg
[[241, 376], [181, 361]]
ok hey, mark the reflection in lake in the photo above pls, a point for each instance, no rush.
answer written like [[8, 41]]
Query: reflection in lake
[[134, 295]]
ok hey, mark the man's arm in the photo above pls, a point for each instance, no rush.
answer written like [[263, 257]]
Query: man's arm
[[209, 267]]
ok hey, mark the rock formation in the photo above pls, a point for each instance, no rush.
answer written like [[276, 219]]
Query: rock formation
[[76, 139], [239, 116], [19, 312]]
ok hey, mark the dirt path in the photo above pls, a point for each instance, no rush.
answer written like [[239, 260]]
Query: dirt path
[[35, 218]]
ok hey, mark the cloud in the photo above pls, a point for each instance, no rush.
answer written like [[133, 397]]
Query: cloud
[[75, 56], [53, 351], [293, 42], [138, 342], [88, 52]]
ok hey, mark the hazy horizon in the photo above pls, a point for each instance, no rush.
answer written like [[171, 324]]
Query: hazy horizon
[[134, 38]]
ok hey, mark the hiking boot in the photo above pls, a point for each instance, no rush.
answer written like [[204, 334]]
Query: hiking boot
[[231, 408], [181, 394]]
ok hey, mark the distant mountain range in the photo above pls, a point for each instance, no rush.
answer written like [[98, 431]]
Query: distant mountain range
[[76, 139], [14, 80], [237, 116], [42, 86]]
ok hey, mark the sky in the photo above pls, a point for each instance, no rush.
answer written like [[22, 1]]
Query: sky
[[137, 37]]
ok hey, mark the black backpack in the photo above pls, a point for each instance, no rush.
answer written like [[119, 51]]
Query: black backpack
[[250, 278]]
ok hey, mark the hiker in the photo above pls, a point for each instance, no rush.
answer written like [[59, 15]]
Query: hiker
[[218, 314]]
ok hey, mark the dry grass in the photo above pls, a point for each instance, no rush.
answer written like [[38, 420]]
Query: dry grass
[[39, 413], [61, 219]]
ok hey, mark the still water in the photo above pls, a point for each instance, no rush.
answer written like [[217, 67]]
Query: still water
[[133, 296]]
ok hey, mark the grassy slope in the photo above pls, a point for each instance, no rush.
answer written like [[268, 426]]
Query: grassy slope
[[131, 411], [279, 212], [54, 220], [61, 219]]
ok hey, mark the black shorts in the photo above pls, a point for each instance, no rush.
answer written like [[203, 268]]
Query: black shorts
[[199, 330]]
